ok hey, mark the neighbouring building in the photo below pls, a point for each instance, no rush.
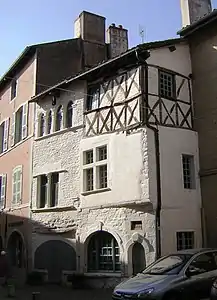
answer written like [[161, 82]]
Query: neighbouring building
[[115, 166], [202, 38], [38, 67]]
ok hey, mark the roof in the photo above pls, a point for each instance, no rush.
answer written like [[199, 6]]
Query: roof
[[195, 251], [27, 53], [142, 47], [201, 23]]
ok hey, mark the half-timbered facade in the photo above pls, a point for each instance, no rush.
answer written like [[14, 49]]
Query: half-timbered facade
[[127, 164]]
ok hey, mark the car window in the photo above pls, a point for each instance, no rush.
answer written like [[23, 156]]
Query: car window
[[215, 258], [203, 263]]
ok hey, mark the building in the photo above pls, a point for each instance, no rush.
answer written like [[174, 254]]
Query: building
[[115, 166], [37, 68], [202, 38]]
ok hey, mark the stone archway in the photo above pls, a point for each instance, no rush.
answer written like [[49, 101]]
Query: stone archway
[[16, 250], [55, 256], [138, 258]]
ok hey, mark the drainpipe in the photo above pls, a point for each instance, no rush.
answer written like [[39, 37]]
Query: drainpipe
[[144, 120]]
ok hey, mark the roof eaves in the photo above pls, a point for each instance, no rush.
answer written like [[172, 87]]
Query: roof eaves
[[189, 29]]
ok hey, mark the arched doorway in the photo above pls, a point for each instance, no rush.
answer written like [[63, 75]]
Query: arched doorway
[[55, 256], [103, 252], [15, 249], [138, 258]]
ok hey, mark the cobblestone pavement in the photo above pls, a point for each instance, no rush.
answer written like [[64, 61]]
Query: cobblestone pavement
[[58, 293]]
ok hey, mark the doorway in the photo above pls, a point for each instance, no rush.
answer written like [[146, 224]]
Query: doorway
[[138, 258]]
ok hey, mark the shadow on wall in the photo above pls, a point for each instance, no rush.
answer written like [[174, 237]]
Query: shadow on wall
[[54, 259]]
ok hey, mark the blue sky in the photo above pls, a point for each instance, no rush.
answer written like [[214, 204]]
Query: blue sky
[[25, 22]]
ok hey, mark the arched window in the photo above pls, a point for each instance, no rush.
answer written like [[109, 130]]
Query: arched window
[[42, 125], [49, 122], [59, 118], [103, 252], [69, 114]]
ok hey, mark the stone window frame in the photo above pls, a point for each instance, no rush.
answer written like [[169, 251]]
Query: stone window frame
[[49, 201], [92, 167]]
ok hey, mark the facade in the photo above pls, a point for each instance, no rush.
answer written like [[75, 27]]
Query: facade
[[115, 166], [202, 39], [38, 67]]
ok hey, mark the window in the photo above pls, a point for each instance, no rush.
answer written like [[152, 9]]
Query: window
[[167, 84], [202, 263], [48, 188], [185, 240], [17, 185], [42, 123], [136, 225], [54, 189], [95, 170], [93, 98], [69, 114], [4, 127], [188, 171], [103, 253], [13, 89], [2, 190], [49, 123], [59, 118], [19, 124]]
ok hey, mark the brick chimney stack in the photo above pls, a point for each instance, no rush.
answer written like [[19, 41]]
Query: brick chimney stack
[[117, 38], [193, 10], [90, 27]]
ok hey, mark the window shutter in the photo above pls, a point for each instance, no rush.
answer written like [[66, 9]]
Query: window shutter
[[19, 185], [25, 121], [13, 128], [14, 186], [3, 190], [6, 130]]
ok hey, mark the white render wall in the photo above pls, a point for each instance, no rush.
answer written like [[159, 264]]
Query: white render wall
[[180, 207]]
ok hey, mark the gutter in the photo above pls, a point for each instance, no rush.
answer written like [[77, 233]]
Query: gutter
[[144, 119]]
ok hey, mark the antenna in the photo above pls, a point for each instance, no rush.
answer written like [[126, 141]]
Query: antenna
[[142, 33]]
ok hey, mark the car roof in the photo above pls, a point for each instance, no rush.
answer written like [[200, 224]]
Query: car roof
[[195, 251]]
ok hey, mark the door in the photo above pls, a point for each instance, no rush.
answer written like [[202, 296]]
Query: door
[[201, 273], [138, 258]]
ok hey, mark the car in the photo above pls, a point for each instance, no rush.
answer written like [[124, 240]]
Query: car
[[213, 295], [187, 274]]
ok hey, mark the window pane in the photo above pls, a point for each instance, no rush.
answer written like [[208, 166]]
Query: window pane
[[185, 240], [59, 118], [102, 153], [103, 176], [49, 123], [89, 179], [88, 157], [42, 125], [54, 189], [43, 191], [69, 115]]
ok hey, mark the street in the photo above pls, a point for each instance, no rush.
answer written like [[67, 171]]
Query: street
[[57, 292]]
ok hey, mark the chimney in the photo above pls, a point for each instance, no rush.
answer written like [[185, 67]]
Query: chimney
[[90, 27], [193, 10], [117, 38]]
